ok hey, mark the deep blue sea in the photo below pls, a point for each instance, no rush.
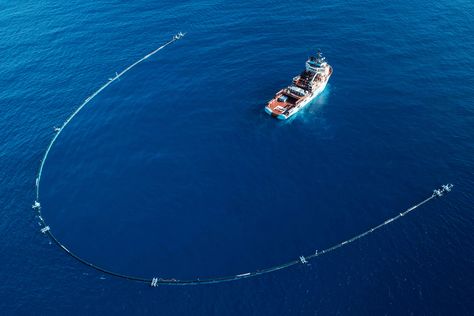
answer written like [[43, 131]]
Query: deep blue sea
[[175, 170]]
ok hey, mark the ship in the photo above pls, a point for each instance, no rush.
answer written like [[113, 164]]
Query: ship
[[304, 89]]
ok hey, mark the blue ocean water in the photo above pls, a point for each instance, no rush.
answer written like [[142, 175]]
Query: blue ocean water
[[176, 171]]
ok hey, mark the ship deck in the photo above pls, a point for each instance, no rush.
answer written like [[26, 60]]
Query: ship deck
[[278, 107], [306, 81]]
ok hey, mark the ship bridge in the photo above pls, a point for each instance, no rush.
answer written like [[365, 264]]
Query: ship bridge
[[316, 64]]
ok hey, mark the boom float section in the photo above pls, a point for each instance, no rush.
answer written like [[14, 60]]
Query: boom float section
[[155, 281]]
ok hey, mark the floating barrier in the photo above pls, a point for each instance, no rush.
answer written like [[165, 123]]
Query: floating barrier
[[155, 281]]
